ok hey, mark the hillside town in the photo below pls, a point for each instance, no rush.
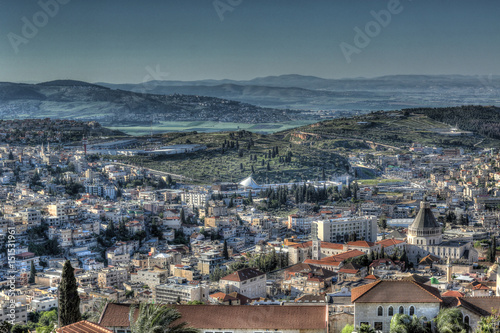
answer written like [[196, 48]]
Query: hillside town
[[313, 256]]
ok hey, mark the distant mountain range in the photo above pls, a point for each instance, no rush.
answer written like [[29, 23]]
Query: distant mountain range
[[68, 99], [271, 99], [341, 95]]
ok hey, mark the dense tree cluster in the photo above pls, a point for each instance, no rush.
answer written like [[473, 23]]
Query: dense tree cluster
[[476, 118]]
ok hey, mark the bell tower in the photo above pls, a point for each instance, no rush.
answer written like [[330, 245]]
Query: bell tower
[[316, 248]]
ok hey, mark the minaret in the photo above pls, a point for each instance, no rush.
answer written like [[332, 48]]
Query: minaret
[[448, 270]]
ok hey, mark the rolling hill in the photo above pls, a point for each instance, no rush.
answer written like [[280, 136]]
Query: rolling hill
[[67, 99]]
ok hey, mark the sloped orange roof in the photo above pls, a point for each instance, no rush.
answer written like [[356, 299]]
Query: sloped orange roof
[[452, 293], [83, 327], [389, 242], [361, 244]]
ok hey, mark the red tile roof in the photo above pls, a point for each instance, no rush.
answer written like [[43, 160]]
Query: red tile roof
[[361, 244], [222, 297], [83, 327], [389, 242], [347, 255], [452, 293], [348, 271], [395, 291], [261, 317], [243, 275]]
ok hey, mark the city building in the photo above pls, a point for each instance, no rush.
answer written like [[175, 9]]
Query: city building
[[341, 229], [249, 282]]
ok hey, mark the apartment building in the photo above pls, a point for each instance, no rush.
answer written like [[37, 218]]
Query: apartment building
[[179, 288], [339, 230], [150, 277], [112, 277]]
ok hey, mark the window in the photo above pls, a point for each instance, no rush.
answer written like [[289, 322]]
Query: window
[[401, 310], [377, 326], [412, 310], [390, 311], [380, 311], [466, 320]]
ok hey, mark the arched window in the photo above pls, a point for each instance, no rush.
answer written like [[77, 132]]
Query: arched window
[[466, 320], [380, 311], [390, 311], [401, 310], [412, 310]]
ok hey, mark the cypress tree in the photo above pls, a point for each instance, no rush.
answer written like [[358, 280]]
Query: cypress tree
[[382, 253], [69, 301], [225, 252], [182, 217], [32, 273]]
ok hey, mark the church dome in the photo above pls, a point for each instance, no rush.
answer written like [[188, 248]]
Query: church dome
[[424, 224]]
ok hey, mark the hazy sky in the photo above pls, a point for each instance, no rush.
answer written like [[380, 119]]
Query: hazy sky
[[127, 40]]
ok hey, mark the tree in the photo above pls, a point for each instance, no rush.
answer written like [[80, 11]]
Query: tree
[[183, 217], [225, 252], [348, 328], [364, 328], [32, 273], [19, 328], [156, 318], [69, 301], [490, 324], [450, 321], [5, 327], [403, 323], [382, 223], [382, 253]]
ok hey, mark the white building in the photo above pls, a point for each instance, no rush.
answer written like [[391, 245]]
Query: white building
[[43, 303], [249, 282], [375, 304], [196, 199], [179, 288], [336, 230]]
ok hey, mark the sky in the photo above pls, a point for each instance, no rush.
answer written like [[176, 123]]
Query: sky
[[132, 41]]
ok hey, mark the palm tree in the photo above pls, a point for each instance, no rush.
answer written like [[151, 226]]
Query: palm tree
[[156, 318], [451, 321], [403, 323]]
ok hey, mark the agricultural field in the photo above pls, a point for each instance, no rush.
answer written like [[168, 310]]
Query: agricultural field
[[399, 129], [232, 156]]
